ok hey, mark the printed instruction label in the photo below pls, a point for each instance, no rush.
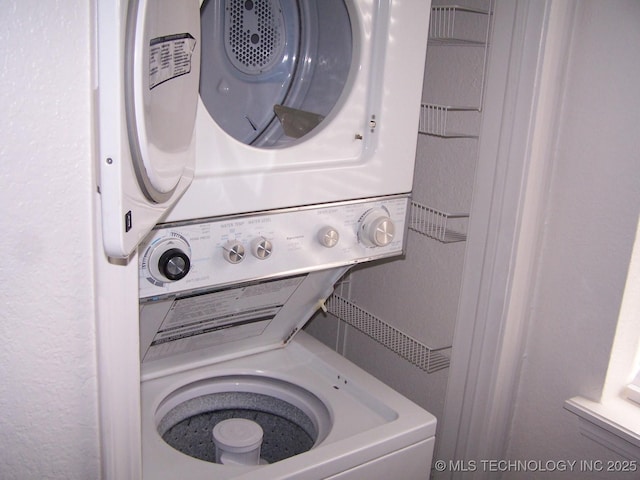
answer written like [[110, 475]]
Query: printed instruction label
[[213, 318], [170, 57]]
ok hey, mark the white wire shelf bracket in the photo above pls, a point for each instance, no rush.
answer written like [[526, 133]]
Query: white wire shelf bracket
[[451, 25], [435, 120], [444, 227], [426, 358], [445, 21]]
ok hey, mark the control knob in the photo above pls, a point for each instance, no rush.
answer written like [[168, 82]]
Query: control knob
[[328, 237], [261, 248], [376, 229], [169, 259], [233, 251]]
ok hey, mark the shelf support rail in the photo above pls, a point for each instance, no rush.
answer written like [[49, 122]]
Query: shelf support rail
[[426, 358]]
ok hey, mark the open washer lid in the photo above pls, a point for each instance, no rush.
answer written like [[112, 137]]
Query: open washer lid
[[203, 328], [149, 69]]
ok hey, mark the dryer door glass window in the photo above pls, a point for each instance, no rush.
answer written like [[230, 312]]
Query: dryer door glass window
[[272, 70], [162, 68]]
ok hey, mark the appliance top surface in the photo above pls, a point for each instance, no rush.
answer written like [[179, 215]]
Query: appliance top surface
[[369, 419]]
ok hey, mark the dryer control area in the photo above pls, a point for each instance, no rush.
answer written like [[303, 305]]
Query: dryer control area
[[224, 250]]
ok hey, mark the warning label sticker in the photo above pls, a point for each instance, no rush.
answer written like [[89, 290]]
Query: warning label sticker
[[212, 318], [170, 57]]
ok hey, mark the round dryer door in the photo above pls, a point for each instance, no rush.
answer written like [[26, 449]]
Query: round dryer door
[[148, 75], [273, 70], [161, 92]]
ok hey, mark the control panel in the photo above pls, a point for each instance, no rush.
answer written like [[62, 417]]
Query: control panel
[[225, 250]]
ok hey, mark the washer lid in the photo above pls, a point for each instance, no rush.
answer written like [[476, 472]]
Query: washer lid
[[161, 92], [201, 328]]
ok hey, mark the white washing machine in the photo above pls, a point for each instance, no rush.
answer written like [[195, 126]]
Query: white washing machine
[[225, 106], [231, 386]]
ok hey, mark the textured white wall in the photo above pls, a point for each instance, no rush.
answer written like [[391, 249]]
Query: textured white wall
[[48, 420], [593, 207]]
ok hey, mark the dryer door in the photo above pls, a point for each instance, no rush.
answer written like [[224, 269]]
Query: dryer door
[[161, 93], [147, 143]]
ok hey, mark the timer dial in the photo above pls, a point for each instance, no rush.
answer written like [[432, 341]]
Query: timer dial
[[174, 264], [169, 259], [376, 229]]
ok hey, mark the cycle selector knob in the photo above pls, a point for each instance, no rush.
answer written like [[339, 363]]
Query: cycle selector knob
[[261, 248], [376, 229], [233, 251], [174, 264], [328, 237], [169, 260]]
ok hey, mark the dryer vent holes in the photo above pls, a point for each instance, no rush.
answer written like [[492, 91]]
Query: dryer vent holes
[[254, 34]]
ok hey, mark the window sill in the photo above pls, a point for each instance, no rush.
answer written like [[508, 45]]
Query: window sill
[[614, 424]]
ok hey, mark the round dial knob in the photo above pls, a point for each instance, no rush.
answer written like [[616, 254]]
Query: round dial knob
[[328, 237], [376, 228], [233, 251], [169, 259], [174, 264], [261, 248]]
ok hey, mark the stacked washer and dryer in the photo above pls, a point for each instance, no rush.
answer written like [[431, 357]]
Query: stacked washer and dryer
[[251, 152]]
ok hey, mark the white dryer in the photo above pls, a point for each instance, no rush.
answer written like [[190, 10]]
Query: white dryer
[[225, 106], [232, 388]]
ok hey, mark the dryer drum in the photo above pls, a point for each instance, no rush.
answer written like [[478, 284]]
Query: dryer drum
[[287, 430], [261, 54]]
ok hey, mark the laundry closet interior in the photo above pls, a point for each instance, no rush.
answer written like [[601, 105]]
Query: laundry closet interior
[[397, 319]]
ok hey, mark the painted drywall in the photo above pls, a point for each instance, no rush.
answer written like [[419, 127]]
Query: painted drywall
[[48, 391], [592, 213]]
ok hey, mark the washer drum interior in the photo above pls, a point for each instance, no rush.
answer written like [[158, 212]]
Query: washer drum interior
[[272, 70], [293, 420]]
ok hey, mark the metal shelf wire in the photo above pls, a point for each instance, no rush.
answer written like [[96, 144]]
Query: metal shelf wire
[[444, 227], [426, 358], [445, 21], [434, 120], [463, 26]]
